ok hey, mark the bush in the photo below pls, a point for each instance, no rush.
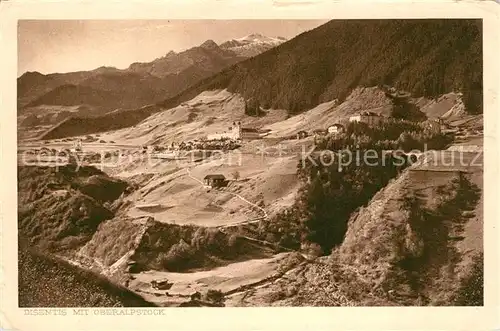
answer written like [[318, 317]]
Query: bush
[[290, 291], [215, 296], [212, 241], [313, 250], [71, 242], [252, 107], [405, 110], [275, 296], [471, 290], [232, 241], [178, 256], [236, 175], [291, 261], [191, 117]]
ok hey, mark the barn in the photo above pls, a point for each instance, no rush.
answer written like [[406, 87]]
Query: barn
[[215, 180]]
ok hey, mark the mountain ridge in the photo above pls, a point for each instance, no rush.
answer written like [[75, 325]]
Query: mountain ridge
[[151, 81]]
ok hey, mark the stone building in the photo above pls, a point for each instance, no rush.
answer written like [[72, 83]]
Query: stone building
[[367, 117]]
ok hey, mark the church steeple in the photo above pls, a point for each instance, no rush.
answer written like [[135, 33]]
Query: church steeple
[[237, 130]]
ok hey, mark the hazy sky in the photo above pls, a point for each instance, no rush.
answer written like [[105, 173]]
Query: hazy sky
[[49, 46]]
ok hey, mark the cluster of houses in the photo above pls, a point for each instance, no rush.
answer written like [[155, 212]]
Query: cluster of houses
[[225, 145], [226, 140], [372, 119], [367, 117]]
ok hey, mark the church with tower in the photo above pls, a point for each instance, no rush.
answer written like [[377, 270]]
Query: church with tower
[[237, 132]]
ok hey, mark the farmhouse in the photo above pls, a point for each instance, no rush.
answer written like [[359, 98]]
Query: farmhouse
[[77, 146], [161, 285], [215, 180], [336, 128], [301, 134], [434, 125], [367, 117]]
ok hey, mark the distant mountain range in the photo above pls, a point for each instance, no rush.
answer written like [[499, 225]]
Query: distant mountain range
[[108, 89]]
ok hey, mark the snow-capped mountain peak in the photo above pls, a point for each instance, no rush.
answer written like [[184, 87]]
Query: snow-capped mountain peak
[[252, 44], [258, 38]]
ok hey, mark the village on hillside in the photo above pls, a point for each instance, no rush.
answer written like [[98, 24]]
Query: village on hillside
[[237, 136]]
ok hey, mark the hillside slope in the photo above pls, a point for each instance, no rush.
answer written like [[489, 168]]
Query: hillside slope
[[61, 210], [49, 282], [69, 95], [417, 242]]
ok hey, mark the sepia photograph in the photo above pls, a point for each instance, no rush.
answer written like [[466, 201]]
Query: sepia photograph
[[250, 163]]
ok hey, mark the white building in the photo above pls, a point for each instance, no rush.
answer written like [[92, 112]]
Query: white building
[[367, 117], [434, 125], [234, 132], [336, 128], [77, 147]]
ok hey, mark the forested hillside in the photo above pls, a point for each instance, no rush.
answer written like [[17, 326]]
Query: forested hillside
[[424, 57]]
